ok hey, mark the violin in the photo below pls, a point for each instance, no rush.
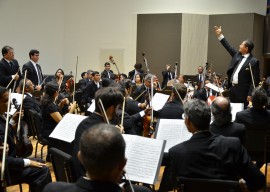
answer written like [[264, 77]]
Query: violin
[[24, 147]]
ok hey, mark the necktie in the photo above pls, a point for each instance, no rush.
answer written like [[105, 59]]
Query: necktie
[[169, 74], [109, 74], [200, 77], [39, 76]]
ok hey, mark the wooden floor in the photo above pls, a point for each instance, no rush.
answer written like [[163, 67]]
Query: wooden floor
[[25, 187]]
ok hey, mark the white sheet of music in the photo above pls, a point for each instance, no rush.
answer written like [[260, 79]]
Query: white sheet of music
[[66, 128], [144, 156], [159, 101], [236, 107], [174, 131], [92, 106]]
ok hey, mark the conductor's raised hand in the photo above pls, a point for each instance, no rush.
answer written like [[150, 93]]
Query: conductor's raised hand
[[218, 30]]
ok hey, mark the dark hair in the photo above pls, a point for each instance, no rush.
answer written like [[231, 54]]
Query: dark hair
[[222, 116], [249, 44], [49, 89], [107, 63], [182, 90], [198, 113], [120, 86], [95, 73], [102, 148], [105, 82], [33, 52], [5, 49], [2, 91], [138, 66], [141, 77], [124, 75], [259, 98], [109, 96], [83, 74], [59, 70]]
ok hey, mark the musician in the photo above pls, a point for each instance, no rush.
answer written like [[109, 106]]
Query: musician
[[91, 89], [239, 74], [175, 108], [52, 114], [122, 76], [222, 120], [107, 72], [111, 99], [167, 75], [209, 156], [138, 79], [205, 92], [83, 81], [142, 91], [137, 70], [200, 77], [181, 80], [9, 69], [21, 170], [34, 72]]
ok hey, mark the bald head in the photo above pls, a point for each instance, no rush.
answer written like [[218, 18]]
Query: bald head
[[221, 110]]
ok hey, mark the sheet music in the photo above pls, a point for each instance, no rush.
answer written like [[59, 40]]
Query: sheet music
[[236, 107], [66, 128], [92, 106], [174, 131], [214, 87], [159, 101], [144, 156]]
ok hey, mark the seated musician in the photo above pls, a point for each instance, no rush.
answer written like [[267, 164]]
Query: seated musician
[[20, 170], [104, 167], [207, 155], [222, 123], [51, 112], [137, 70], [205, 92], [111, 99], [174, 109], [144, 90], [107, 72]]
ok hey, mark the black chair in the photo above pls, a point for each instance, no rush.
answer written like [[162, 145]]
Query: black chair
[[62, 165], [37, 124], [258, 145], [206, 185]]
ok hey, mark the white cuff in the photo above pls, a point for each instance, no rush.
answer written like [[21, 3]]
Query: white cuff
[[26, 162], [220, 37], [12, 122]]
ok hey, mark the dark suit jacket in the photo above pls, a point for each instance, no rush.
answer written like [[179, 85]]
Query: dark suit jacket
[[141, 90], [245, 85], [207, 155], [89, 92], [201, 94], [83, 83], [230, 130], [6, 73], [83, 185], [253, 118], [171, 110], [166, 77], [132, 73], [104, 74], [31, 72]]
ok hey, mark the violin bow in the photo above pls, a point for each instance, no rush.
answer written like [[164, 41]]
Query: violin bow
[[75, 77], [19, 121]]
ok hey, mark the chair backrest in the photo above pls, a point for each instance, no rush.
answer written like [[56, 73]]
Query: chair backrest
[[62, 165], [206, 185], [258, 143], [36, 122]]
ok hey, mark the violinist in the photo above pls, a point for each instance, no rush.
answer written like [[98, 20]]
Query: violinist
[[107, 72], [21, 170], [175, 108], [111, 99]]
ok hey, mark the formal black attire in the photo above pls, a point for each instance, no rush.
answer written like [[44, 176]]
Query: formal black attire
[[240, 91], [83, 185], [167, 76], [210, 156], [230, 129], [6, 72], [37, 178], [203, 95], [87, 123], [131, 74], [89, 92], [83, 83], [143, 92], [107, 74], [32, 74], [171, 110]]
